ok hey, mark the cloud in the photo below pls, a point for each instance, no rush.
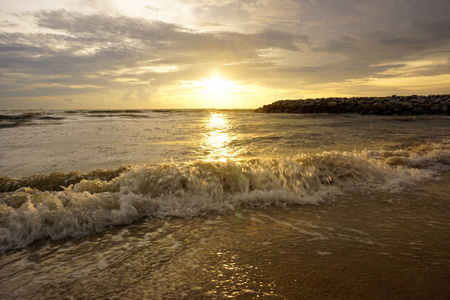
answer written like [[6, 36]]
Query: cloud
[[379, 53], [248, 16], [226, 13], [158, 35], [286, 45], [6, 24], [83, 53]]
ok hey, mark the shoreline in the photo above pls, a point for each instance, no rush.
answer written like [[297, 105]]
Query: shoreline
[[390, 105]]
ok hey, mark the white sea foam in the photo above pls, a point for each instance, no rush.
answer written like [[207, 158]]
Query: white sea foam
[[191, 189], [431, 156]]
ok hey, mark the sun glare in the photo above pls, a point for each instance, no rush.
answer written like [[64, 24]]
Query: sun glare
[[217, 90], [217, 85]]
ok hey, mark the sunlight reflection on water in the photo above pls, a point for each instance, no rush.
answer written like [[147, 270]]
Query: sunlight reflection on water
[[216, 141]]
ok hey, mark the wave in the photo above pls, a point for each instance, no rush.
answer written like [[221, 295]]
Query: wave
[[190, 189], [56, 181], [22, 116], [25, 119], [113, 111], [128, 115]]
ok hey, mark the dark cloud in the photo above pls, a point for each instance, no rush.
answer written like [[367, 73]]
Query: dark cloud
[[434, 30], [368, 54], [433, 10]]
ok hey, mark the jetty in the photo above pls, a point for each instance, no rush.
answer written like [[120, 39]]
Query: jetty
[[391, 105]]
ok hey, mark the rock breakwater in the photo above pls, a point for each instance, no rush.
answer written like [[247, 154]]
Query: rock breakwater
[[392, 105]]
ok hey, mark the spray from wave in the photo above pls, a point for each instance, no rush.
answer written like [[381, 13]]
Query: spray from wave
[[90, 204]]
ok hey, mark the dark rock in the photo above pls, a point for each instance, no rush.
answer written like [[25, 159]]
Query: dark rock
[[332, 103], [361, 101], [398, 105]]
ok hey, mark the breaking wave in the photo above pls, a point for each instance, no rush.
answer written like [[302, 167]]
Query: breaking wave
[[73, 205]]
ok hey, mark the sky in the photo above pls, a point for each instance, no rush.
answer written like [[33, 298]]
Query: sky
[[117, 54]]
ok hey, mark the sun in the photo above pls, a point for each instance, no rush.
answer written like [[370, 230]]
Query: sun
[[216, 85], [216, 91]]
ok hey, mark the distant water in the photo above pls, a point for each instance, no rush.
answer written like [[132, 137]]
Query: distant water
[[223, 203]]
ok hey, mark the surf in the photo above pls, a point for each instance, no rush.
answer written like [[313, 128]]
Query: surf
[[188, 189]]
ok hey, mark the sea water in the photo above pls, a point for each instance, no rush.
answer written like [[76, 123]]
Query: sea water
[[182, 204]]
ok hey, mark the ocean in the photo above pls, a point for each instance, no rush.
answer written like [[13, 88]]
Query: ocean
[[218, 204]]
